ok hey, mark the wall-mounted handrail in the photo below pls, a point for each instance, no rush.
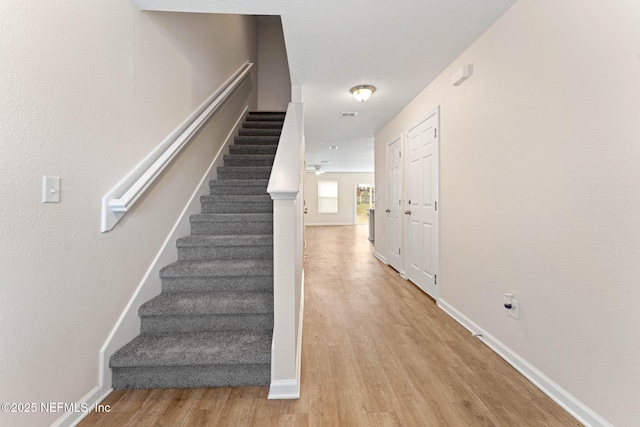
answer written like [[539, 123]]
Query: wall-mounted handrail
[[285, 188], [125, 193]]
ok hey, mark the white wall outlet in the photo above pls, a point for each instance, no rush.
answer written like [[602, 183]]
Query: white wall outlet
[[514, 309], [50, 189]]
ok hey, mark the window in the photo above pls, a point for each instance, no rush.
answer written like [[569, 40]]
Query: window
[[327, 196]]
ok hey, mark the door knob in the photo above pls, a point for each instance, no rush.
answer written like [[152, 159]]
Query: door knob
[[305, 211], [407, 212], [387, 210]]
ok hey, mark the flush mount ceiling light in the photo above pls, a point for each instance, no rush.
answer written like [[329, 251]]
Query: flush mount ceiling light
[[333, 147], [363, 92]]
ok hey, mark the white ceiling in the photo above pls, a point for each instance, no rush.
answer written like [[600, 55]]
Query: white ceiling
[[333, 45]]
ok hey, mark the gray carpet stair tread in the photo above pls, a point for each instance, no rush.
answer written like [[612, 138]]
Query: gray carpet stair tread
[[253, 149], [196, 349], [256, 140], [262, 124], [265, 118], [230, 198], [218, 268], [259, 132], [192, 304], [228, 217], [244, 169], [249, 159], [234, 240], [239, 182], [267, 112]]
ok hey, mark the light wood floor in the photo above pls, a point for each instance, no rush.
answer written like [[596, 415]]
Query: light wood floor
[[376, 352]]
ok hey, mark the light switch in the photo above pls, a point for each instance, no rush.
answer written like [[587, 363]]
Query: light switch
[[50, 189]]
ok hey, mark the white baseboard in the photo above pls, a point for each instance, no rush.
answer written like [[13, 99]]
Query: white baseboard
[[72, 419], [128, 326], [290, 389], [572, 405], [284, 389], [380, 257]]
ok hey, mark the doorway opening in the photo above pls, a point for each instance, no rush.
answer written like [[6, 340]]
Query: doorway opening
[[365, 200]]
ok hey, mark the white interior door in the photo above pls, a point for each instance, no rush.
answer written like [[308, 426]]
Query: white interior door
[[422, 165], [394, 204]]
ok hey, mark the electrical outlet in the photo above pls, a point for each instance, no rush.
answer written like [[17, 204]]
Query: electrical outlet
[[515, 309]]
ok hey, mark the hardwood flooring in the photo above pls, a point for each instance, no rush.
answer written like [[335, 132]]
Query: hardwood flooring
[[377, 351]]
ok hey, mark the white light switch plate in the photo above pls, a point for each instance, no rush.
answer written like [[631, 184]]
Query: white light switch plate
[[50, 189]]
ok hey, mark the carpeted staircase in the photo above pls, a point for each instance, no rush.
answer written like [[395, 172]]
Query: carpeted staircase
[[212, 324]]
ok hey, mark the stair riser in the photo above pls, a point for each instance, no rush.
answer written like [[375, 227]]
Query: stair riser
[[238, 190], [192, 377], [156, 325], [253, 149], [263, 198], [221, 207], [225, 252], [265, 118], [256, 140], [229, 228], [259, 132], [240, 160], [244, 175], [265, 124], [218, 284]]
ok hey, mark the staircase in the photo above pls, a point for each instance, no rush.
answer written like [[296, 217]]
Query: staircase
[[212, 324]]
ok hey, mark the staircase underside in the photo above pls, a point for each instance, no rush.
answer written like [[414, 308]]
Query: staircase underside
[[212, 324]]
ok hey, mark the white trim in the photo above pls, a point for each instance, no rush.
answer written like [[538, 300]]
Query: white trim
[[290, 389], [90, 400], [286, 189], [119, 200], [559, 395], [128, 325], [380, 257], [285, 178], [333, 223]]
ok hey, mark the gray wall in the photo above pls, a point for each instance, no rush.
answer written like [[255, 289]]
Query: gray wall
[[274, 82]]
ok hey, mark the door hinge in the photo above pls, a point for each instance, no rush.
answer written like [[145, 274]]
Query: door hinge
[[435, 279], [399, 153], [399, 251], [435, 132], [435, 205]]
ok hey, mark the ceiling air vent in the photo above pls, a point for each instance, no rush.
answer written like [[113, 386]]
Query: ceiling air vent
[[349, 114]]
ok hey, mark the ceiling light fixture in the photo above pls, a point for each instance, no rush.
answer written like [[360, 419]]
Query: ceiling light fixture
[[318, 170], [363, 92]]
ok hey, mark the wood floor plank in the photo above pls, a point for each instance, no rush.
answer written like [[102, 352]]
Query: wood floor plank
[[293, 420], [376, 351]]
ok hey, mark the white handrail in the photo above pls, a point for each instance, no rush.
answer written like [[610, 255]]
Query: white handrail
[[285, 187], [125, 193]]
